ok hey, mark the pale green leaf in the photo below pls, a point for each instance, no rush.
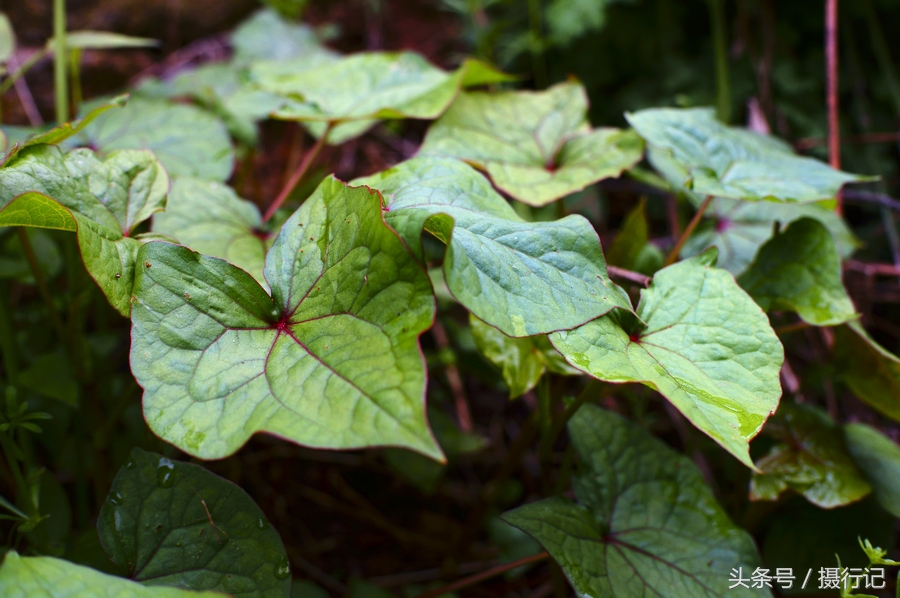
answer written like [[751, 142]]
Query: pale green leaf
[[267, 36], [697, 152], [809, 457], [522, 361], [187, 140], [704, 344], [739, 228], [367, 87], [800, 270], [568, 20], [101, 200], [645, 523], [879, 459], [7, 39], [48, 577], [211, 219], [524, 278], [102, 40], [331, 360], [170, 523], [536, 146], [871, 371]]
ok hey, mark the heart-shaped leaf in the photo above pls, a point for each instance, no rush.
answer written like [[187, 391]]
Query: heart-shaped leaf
[[879, 459], [331, 360], [645, 523], [211, 219], [268, 36], [871, 371], [536, 146], [810, 457], [362, 88], [101, 200], [697, 152], [524, 278], [170, 523], [48, 577], [704, 344], [522, 361], [739, 228], [187, 140], [800, 270]]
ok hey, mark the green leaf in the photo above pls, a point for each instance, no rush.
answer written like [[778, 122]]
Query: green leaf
[[536, 146], [211, 219], [871, 371], [7, 39], [810, 458], [568, 20], [102, 40], [102, 201], [47, 577], [631, 248], [800, 270], [49, 375], [267, 36], [522, 361], [367, 87], [187, 140], [879, 459], [645, 523], [697, 152], [524, 278], [331, 360], [739, 228], [170, 523], [704, 344], [65, 131]]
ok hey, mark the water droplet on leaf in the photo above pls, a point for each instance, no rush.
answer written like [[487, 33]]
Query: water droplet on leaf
[[262, 523], [165, 473], [282, 568], [115, 499], [130, 464]]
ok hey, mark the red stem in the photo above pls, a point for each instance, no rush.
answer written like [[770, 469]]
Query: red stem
[[831, 75], [301, 171], [673, 255], [478, 577]]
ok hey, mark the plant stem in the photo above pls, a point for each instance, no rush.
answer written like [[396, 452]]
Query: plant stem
[[59, 61], [831, 76], [624, 274], [479, 577], [723, 80], [32, 60], [538, 62], [792, 327], [41, 283], [673, 255], [301, 171], [7, 340], [21, 486], [594, 389]]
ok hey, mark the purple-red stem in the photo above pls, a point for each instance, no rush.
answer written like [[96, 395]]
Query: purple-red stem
[[685, 235], [301, 171], [831, 75], [479, 577]]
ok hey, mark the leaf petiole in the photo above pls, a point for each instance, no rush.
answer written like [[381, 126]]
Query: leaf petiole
[[299, 173]]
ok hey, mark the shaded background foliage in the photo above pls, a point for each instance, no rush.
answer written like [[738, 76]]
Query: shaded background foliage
[[387, 514]]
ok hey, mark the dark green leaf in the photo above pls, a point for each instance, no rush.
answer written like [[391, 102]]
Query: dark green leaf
[[631, 249], [810, 458], [536, 146], [524, 278], [800, 270], [170, 523], [871, 371], [49, 375], [704, 344], [645, 523], [331, 360], [879, 459]]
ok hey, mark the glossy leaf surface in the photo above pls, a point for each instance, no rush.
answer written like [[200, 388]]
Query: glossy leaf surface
[[170, 523], [704, 344], [871, 371], [879, 459], [211, 219], [810, 458], [331, 360], [536, 146], [187, 140], [524, 278], [799, 270], [645, 523], [700, 154], [48, 577], [739, 228], [102, 200]]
